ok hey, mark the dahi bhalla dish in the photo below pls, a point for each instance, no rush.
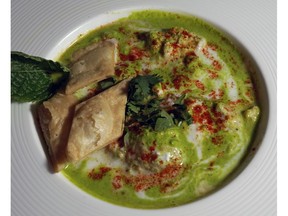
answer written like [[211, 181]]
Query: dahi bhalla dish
[[158, 111]]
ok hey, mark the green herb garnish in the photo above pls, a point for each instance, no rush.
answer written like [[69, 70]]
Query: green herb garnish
[[140, 88], [104, 84], [34, 78], [144, 107]]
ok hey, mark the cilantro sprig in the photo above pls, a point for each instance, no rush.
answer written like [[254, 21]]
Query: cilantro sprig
[[144, 108]]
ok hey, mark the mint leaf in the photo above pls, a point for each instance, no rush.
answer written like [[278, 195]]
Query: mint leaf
[[34, 78]]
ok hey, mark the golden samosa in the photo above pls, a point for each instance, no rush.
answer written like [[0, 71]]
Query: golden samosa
[[97, 122], [55, 118], [91, 64]]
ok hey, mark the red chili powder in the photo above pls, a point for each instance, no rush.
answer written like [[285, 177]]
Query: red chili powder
[[100, 174], [143, 182]]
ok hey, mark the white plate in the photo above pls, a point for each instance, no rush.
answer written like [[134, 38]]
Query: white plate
[[45, 28]]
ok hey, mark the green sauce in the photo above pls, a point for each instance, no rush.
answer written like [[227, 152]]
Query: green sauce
[[220, 98]]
